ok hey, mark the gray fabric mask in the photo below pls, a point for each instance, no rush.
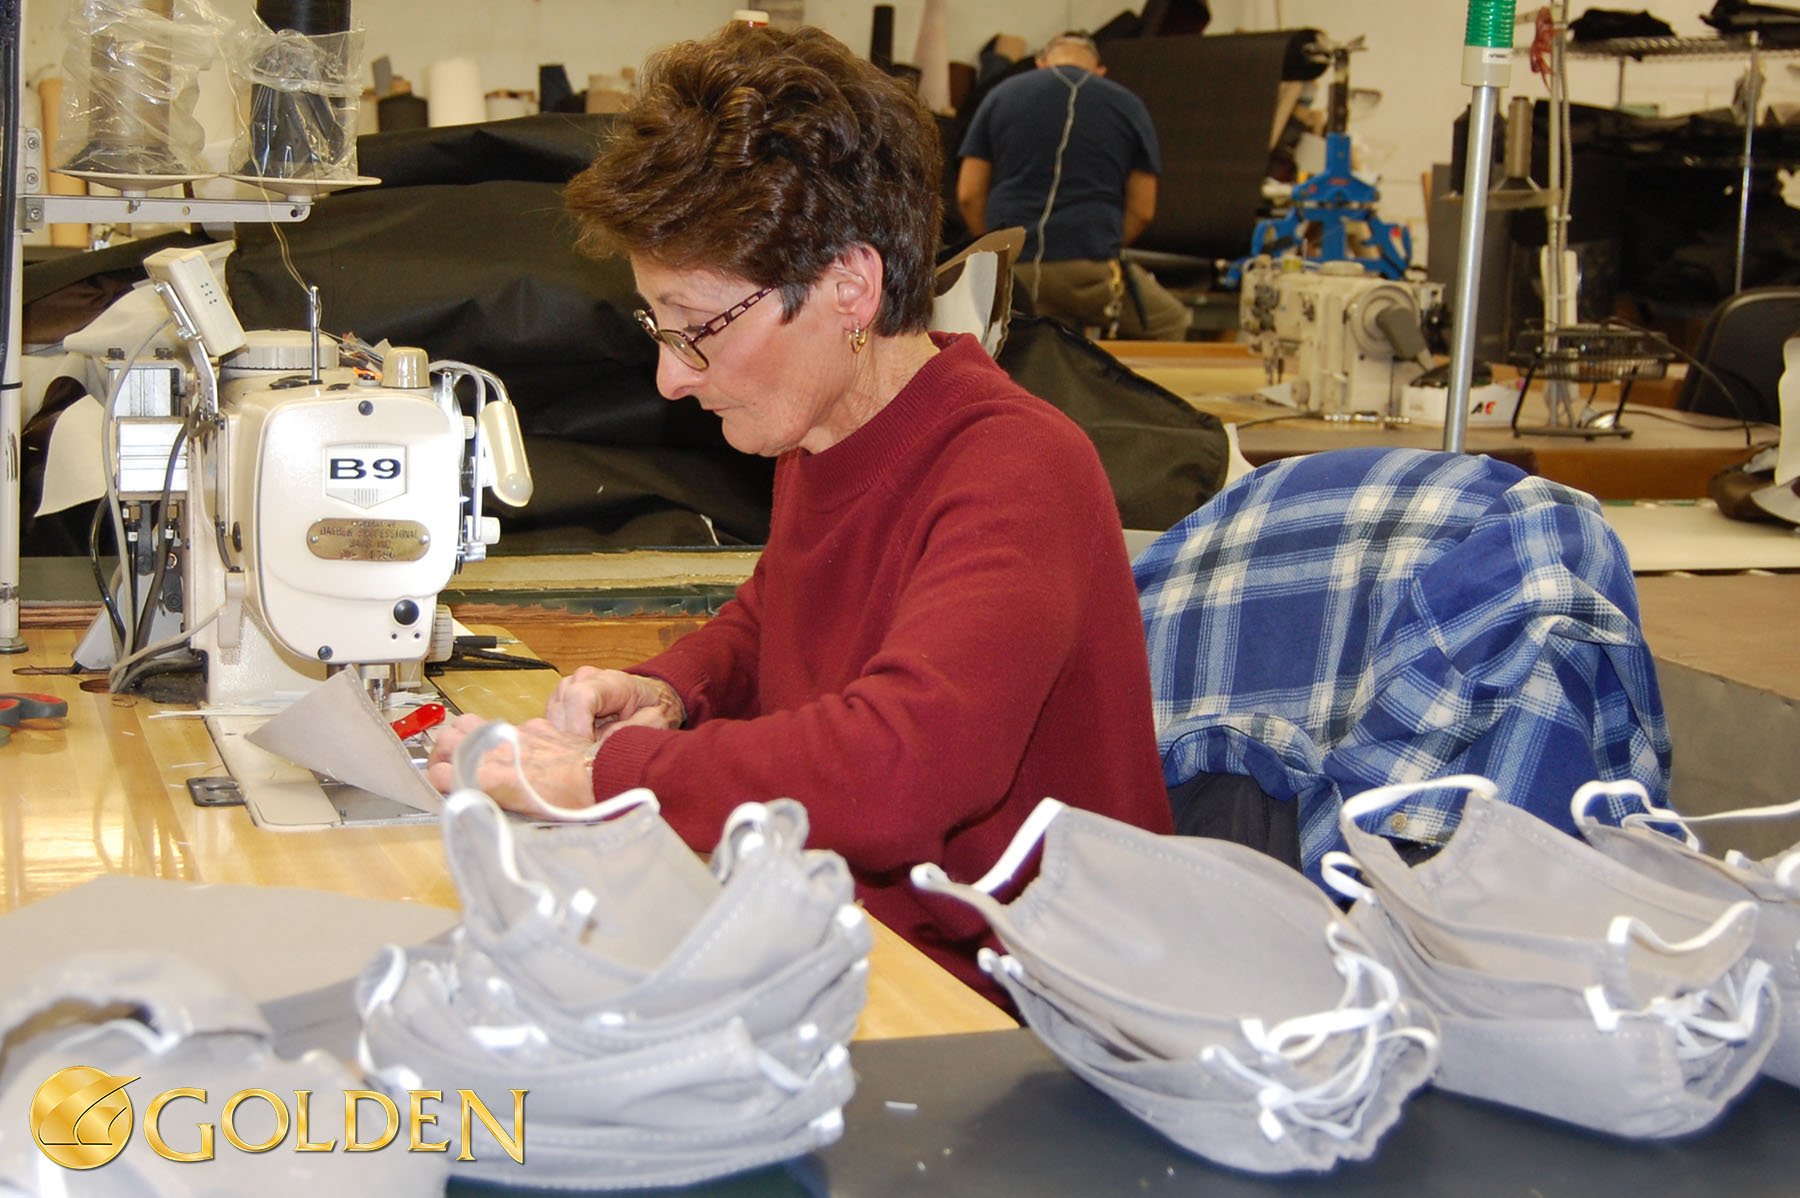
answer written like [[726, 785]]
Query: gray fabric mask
[[1773, 886], [1565, 983], [672, 1023], [168, 1024], [652, 1115], [1263, 1036], [546, 907]]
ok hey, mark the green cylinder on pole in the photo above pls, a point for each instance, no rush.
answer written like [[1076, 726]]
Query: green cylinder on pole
[[1490, 24]]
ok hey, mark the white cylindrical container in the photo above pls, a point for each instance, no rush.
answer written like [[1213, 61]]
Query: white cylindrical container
[[453, 88]]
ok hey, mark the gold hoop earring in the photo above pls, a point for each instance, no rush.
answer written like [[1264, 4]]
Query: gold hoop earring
[[859, 337]]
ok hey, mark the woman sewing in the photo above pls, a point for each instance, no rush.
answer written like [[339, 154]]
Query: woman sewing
[[942, 629]]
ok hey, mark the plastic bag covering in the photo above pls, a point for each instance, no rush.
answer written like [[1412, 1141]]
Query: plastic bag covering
[[304, 93], [133, 80]]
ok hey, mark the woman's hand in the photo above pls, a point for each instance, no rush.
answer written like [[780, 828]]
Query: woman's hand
[[594, 703], [558, 765]]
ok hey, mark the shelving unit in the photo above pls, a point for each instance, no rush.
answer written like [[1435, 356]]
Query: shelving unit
[[1625, 50], [29, 204]]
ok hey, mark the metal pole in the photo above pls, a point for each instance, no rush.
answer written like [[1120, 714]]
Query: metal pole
[[12, 409], [1487, 67], [1754, 100]]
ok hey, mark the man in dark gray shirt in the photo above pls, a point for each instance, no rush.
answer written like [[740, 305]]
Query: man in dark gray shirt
[[1072, 157]]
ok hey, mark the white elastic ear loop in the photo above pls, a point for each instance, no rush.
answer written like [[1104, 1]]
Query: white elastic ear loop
[[478, 744], [1626, 928], [1787, 872], [930, 877], [381, 991], [625, 800], [746, 833], [1027, 838], [465, 806], [1331, 868], [1682, 1013], [1386, 796], [465, 762], [1587, 792], [1654, 815], [1312, 1030]]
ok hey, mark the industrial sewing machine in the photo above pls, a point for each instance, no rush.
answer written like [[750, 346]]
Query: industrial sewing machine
[[1348, 342], [303, 507]]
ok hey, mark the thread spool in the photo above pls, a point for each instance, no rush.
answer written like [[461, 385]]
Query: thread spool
[[753, 17], [50, 100], [128, 128], [301, 134], [554, 88], [504, 105], [313, 18], [453, 89], [403, 110], [368, 113], [932, 56], [606, 93], [881, 37]]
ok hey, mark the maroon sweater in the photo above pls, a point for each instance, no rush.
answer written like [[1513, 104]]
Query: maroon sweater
[[941, 632]]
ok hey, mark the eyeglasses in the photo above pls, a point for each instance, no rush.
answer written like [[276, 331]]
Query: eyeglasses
[[683, 344]]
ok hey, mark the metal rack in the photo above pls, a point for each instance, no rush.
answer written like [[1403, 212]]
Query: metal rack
[[1592, 354], [1750, 45]]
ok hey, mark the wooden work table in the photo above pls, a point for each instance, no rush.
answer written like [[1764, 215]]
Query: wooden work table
[[1670, 455], [105, 791]]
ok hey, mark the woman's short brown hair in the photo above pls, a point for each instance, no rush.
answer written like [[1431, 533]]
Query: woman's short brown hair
[[765, 154]]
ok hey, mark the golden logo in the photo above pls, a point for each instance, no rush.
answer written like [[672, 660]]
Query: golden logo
[[81, 1116]]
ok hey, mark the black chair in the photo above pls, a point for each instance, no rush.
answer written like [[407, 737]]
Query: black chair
[[1741, 344]]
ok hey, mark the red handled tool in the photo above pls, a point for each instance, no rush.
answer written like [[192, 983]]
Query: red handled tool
[[425, 715], [22, 706], [16, 706]]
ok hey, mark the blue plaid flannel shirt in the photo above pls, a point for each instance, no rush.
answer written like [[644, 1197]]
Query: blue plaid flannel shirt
[[1361, 617]]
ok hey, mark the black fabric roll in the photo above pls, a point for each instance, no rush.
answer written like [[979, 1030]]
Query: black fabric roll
[[1212, 99]]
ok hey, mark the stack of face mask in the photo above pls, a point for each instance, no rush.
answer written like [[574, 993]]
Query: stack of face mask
[[1564, 982], [1773, 885], [1209, 990], [671, 1023], [130, 1028]]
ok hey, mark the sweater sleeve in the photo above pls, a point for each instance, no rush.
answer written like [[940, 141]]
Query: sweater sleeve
[[714, 668], [930, 737]]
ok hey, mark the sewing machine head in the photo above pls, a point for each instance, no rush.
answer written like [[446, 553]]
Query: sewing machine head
[[330, 497], [1348, 339]]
